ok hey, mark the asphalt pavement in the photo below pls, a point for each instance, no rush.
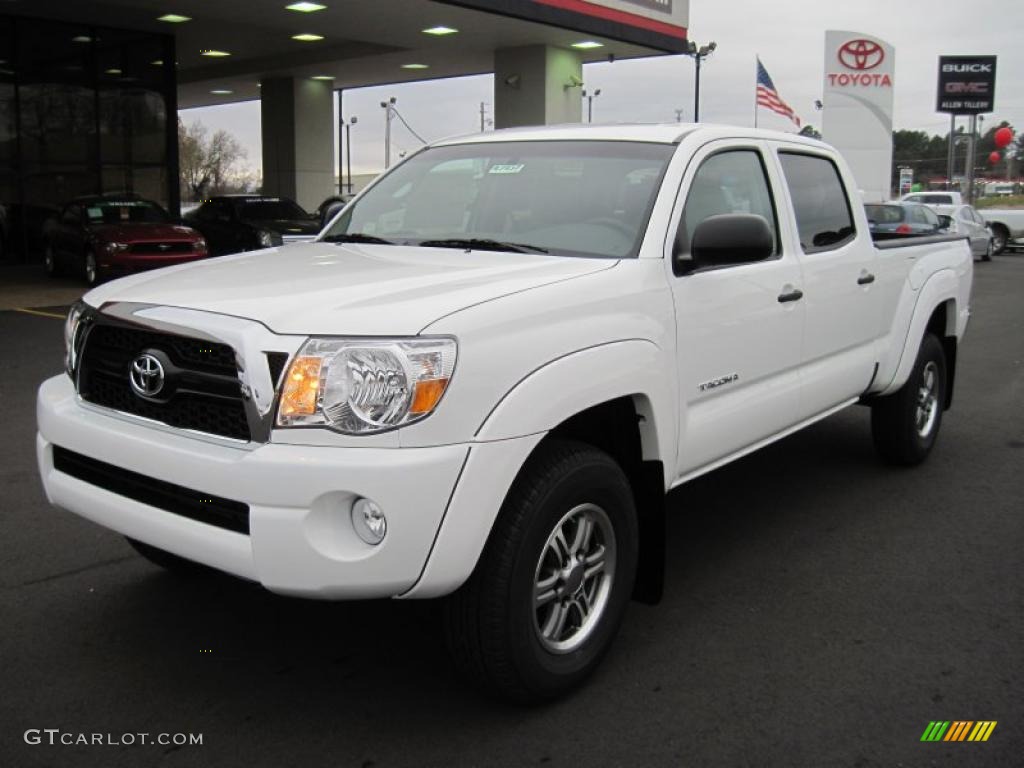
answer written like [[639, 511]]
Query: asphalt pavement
[[821, 609]]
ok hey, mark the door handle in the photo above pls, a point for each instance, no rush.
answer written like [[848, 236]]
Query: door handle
[[794, 295], [866, 278]]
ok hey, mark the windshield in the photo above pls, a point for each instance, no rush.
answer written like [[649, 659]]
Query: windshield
[[124, 212], [574, 198], [270, 209], [884, 214]]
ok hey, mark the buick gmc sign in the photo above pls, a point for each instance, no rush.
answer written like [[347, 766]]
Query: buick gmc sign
[[967, 84]]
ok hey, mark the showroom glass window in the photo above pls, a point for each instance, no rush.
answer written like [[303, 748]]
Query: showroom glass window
[[83, 111]]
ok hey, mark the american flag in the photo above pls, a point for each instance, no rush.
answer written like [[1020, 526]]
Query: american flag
[[768, 97]]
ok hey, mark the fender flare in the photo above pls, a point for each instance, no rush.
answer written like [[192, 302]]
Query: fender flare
[[539, 402], [940, 288], [571, 384]]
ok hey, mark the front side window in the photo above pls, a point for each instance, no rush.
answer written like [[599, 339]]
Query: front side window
[[733, 181], [568, 198], [823, 217]]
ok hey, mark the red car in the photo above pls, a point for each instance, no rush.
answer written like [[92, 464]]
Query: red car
[[107, 235]]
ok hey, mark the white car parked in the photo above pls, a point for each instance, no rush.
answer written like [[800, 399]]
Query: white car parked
[[484, 376]]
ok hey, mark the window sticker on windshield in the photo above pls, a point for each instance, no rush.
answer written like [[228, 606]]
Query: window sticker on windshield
[[506, 169]]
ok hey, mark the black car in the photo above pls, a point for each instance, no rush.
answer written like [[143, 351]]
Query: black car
[[233, 223]]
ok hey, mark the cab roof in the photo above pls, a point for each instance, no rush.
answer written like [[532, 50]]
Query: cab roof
[[659, 133]]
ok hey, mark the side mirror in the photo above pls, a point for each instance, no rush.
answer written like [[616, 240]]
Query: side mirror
[[731, 238], [945, 222]]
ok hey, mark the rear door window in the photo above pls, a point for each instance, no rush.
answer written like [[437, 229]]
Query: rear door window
[[823, 216]]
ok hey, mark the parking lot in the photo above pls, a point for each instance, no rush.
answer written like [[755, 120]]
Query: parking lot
[[820, 610]]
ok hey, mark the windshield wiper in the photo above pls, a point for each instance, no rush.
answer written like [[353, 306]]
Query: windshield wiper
[[357, 237], [483, 244]]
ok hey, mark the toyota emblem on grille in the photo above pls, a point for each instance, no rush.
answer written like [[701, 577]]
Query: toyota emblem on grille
[[146, 375]]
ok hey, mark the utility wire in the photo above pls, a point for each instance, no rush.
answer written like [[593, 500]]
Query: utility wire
[[395, 110]]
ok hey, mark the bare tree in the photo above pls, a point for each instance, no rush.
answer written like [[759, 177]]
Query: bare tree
[[209, 163]]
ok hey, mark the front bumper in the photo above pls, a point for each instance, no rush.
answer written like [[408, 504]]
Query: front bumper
[[301, 540]]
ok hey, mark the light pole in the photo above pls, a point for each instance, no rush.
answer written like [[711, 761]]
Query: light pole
[[348, 151], [590, 103], [388, 107], [699, 54]]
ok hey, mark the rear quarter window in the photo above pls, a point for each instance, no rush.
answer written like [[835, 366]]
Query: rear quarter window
[[823, 217]]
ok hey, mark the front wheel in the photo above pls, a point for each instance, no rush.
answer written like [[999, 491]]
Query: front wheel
[[548, 594], [50, 261], [90, 269], [905, 424]]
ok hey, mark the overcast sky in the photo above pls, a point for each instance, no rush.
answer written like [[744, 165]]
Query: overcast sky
[[789, 36]]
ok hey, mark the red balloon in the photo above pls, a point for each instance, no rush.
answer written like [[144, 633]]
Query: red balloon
[[1003, 137], [994, 158]]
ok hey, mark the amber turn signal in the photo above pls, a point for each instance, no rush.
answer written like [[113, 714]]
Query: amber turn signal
[[301, 387]]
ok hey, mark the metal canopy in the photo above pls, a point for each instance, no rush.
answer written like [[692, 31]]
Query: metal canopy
[[365, 42]]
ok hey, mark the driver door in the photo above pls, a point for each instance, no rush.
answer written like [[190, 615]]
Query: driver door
[[739, 327]]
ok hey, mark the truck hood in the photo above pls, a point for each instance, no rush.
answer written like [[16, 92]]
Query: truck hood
[[362, 290]]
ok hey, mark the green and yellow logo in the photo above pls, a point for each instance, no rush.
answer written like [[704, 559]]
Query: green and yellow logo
[[958, 730]]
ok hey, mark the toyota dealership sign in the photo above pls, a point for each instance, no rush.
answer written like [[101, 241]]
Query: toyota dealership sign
[[860, 72]]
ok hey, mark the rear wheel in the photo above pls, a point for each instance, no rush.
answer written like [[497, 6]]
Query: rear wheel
[[170, 562], [905, 424], [1000, 237], [548, 594]]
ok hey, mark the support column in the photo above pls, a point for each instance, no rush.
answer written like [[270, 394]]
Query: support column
[[537, 85], [297, 121]]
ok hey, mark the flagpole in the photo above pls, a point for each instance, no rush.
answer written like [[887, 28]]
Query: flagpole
[[755, 89]]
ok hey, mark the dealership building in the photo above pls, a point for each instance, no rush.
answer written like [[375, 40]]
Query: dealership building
[[90, 89]]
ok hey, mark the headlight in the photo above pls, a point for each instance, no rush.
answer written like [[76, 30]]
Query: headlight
[[200, 246], [269, 239], [72, 337], [357, 387], [116, 247]]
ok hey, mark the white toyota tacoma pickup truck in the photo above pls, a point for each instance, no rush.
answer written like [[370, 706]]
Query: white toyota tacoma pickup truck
[[483, 377]]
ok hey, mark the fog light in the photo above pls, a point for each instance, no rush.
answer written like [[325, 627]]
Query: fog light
[[369, 521]]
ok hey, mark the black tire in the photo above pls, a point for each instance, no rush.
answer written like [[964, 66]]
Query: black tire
[[1000, 238], [900, 435], [91, 270], [50, 263], [179, 566], [492, 626]]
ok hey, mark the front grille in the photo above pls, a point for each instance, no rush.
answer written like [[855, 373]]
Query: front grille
[[202, 393], [201, 507], [162, 249]]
